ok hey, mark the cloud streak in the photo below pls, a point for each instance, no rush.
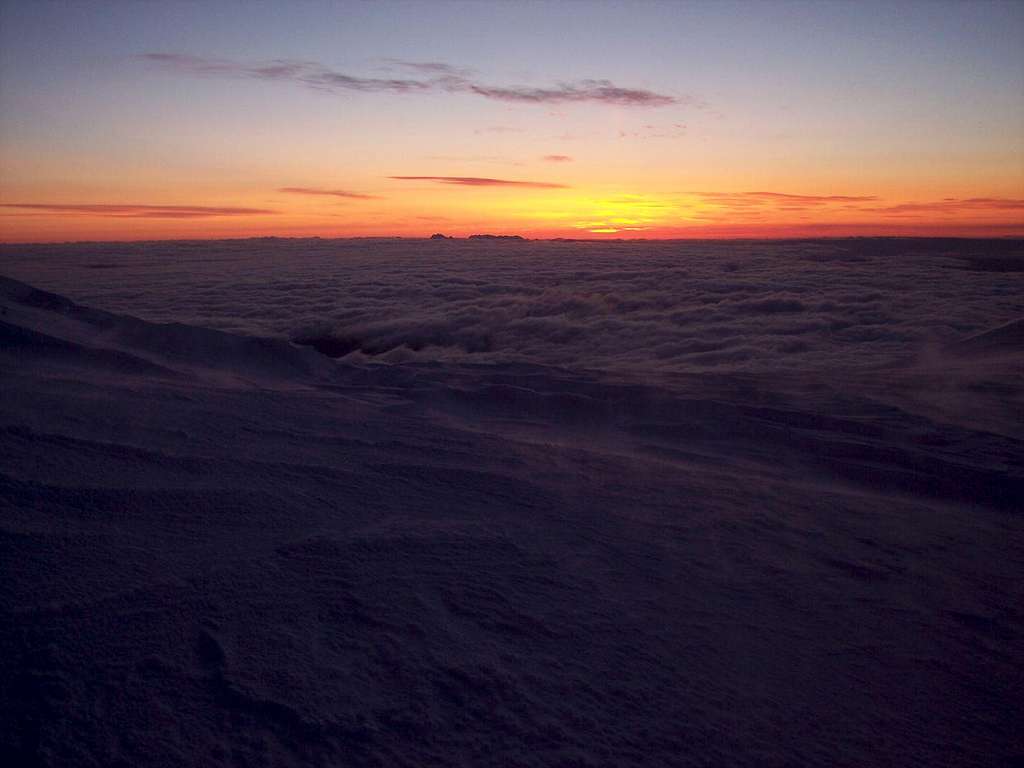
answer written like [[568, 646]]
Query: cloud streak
[[780, 198], [557, 158], [599, 91], [953, 205], [328, 192], [139, 211], [308, 73], [438, 68], [434, 77], [476, 181], [755, 204]]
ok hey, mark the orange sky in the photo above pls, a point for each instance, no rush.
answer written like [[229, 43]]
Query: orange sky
[[127, 121], [417, 211]]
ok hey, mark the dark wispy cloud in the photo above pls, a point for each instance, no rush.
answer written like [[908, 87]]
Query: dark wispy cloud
[[328, 192], [139, 211], [476, 181], [435, 77], [307, 73], [601, 91], [436, 68], [557, 158]]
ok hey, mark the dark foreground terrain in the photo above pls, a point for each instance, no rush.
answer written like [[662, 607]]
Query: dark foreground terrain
[[219, 549]]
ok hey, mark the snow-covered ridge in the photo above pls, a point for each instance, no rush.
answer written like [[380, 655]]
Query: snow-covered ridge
[[40, 323]]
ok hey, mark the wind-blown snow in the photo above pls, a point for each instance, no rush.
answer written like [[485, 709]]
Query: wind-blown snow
[[559, 528]]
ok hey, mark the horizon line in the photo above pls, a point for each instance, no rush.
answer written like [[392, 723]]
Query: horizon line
[[523, 238]]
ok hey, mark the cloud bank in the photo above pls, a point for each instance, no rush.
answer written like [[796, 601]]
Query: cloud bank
[[635, 308], [433, 77]]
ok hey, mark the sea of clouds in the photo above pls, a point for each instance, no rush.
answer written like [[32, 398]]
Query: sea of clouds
[[637, 307]]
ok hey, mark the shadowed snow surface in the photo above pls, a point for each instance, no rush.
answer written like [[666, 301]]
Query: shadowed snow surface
[[574, 541]]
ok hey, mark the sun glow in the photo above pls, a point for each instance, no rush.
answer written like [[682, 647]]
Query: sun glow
[[596, 214]]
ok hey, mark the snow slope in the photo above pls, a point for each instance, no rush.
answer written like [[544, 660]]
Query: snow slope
[[225, 549]]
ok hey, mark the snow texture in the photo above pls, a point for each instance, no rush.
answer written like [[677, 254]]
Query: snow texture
[[545, 504]]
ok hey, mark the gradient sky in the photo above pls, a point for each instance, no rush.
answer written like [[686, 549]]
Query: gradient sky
[[154, 120]]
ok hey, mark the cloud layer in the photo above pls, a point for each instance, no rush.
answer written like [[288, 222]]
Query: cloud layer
[[634, 308], [432, 77]]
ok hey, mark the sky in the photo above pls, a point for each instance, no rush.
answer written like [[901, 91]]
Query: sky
[[128, 121]]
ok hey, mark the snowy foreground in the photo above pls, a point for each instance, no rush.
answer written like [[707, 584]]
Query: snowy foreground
[[227, 549]]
